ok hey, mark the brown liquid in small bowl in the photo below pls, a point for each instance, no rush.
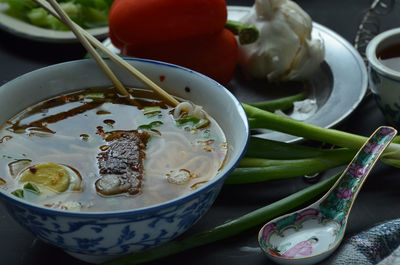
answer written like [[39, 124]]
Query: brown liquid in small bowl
[[390, 57]]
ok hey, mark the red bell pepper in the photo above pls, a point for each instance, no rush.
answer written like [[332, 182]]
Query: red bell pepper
[[140, 22], [189, 33], [214, 55]]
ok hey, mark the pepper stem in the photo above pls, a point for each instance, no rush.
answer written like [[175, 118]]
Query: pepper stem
[[247, 33]]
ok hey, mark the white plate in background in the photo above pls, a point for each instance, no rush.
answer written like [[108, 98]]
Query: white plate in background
[[25, 30]]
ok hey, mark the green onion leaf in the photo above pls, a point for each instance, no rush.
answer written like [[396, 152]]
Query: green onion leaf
[[191, 122], [95, 96], [151, 110], [32, 188], [19, 193], [150, 125], [284, 103]]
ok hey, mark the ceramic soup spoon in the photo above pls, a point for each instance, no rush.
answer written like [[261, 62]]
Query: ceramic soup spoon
[[311, 234]]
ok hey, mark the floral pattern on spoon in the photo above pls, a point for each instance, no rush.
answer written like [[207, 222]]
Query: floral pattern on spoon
[[319, 228]]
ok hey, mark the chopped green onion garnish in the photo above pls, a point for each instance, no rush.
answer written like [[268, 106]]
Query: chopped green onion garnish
[[190, 122], [95, 96], [19, 193], [151, 110], [150, 125], [31, 187]]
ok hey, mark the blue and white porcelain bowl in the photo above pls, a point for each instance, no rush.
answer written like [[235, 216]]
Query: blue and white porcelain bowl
[[98, 237], [384, 82]]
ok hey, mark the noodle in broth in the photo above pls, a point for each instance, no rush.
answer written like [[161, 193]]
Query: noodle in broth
[[69, 131]]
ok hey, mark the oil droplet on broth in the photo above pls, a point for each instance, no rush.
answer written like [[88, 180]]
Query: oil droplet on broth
[[84, 137]]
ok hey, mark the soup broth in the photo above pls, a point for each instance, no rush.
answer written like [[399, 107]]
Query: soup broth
[[390, 57], [66, 134]]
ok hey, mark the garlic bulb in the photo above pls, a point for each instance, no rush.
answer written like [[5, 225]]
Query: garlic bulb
[[285, 49]]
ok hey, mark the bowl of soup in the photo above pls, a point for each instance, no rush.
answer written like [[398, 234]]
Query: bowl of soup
[[101, 175]]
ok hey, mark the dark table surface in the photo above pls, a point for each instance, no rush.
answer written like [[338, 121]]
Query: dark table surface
[[377, 202]]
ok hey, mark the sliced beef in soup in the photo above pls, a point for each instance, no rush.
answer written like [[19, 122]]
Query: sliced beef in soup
[[121, 163]]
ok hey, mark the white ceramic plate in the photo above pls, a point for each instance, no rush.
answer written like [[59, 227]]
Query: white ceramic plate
[[26, 30], [338, 86]]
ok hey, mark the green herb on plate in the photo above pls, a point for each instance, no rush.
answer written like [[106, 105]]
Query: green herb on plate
[[86, 13]]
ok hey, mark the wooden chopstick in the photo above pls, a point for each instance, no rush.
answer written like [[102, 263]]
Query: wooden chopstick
[[85, 37], [66, 20]]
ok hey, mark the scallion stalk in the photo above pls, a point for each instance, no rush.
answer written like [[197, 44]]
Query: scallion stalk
[[259, 118], [283, 103], [267, 159], [251, 170], [270, 149]]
